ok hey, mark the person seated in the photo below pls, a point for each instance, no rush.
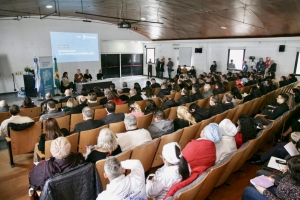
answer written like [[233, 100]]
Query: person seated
[[27, 103], [227, 102], [237, 98], [15, 118], [184, 118], [52, 112], [199, 113], [296, 93], [154, 84], [181, 83], [227, 144], [254, 93], [164, 90], [92, 100], [175, 170], [138, 88], [135, 109], [78, 109], [106, 146], [218, 88], [291, 101], [150, 107], [83, 93], [71, 103], [125, 88], [148, 85], [48, 97], [87, 75], [252, 80], [112, 117], [269, 86], [98, 92], [122, 96], [113, 88], [246, 130], [104, 100], [134, 96], [131, 186], [78, 77], [207, 91], [192, 71], [100, 75], [161, 125], [283, 81], [239, 83], [113, 97], [66, 84], [133, 136], [3, 106], [287, 188], [196, 93], [68, 94], [292, 78], [274, 110], [261, 87], [185, 98], [215, 106], [166, 102], [62, 159], [184, 70]]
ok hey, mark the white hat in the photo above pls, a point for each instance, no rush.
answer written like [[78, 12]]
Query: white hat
[[169, 153], [60, 148], [227, 128]]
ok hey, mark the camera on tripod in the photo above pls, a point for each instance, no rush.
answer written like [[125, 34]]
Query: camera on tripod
[[252, 58]]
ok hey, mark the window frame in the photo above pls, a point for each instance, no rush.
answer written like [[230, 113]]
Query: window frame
[[228, 56], [296, 63], [153, 61]]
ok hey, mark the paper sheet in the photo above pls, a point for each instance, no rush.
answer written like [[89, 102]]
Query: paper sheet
[[273, 164], [291, 149]]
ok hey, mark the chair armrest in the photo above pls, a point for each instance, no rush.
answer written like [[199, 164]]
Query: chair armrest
[[259, 115], [7, 139]]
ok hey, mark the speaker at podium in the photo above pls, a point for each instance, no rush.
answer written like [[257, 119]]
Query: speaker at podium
[[29, 84]]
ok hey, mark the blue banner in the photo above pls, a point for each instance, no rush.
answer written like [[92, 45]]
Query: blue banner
[[46, 76]]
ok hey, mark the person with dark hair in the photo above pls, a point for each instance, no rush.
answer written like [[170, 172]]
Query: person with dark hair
[[261, 87], [78, 109], [27, 103], [157, 66], [246, 130], [254, 93], [164, 90], [215, 106], [113, 97], [175, 169], [65, 81], [196, 93], [52, 112], [98, 92], [178, 72], [283, 81], [148, 85], [261, 66], [166, 102], [138, 88], [296, 93], [251, 80], [245, 66], [269, 86], [125, 88], [150, 107], [292, 78], [122, 96], [218, 88], [213, 67], [227, 102], [287, 188], [112, 117], [154, 84], [134, 96], [185, 98], [87, 75], [192, 71], [14, 110], [237, 98], [113, 88], [100, 75], [170, 67], [199, 113]]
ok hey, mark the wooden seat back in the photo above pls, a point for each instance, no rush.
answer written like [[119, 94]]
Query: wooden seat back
[[31, 112], [118, 127], [144, 121], [100, 113], [142, 104], [188, 134], [221, 116], [157, 101], [177, 96], [122, 108], [203, 124], [75, 119], [173, 113], [4, 116]]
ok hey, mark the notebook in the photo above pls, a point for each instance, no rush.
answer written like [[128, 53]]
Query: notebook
[[261, 181], [291, 149], [274, 165]]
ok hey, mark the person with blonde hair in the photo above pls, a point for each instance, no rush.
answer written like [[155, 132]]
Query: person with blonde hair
[[135, 109], [184, 118], [106, 146], [291, 101], [92, 100], [71, 103]]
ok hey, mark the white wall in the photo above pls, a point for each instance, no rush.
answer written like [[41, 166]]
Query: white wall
[[217, 50], [21, 40]]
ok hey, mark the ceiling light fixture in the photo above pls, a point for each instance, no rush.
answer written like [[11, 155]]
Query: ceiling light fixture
[[49, 6], [143, 18], [223, 27]]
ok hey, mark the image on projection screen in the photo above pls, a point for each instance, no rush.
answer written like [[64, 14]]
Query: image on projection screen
[[237, 56], [74, 47]]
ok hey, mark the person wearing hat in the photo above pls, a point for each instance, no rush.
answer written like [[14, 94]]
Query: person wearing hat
[[175, 169], [60, 161]]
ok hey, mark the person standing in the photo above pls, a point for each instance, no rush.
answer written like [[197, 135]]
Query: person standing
[[149, 68], [231, 66], [213, 67], [245, 67], [162, 68], [261, 66], [157, 67], [272, 67], [170, 67]]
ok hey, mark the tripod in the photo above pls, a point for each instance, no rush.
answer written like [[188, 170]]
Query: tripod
[[14, 81]]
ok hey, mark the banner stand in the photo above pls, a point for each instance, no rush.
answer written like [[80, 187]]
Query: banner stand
[[46, 75]]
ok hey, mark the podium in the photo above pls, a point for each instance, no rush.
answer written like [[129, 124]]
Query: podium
[[29, 84]]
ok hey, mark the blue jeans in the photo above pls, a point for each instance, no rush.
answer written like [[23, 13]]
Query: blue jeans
[[161, 74], [251, 193], [169, 72]]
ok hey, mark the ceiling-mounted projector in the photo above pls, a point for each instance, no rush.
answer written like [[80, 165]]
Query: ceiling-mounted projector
[[124, 25]]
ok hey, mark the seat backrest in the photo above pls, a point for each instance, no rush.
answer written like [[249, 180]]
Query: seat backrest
[[118, 127], [96, 107], [4, 116], [100, 113], [188, 134], [148, 149], [167, 112], [171, 96], [63, 104], [89, 138], [202, 102], [157, 101], [58, 106], [188, 104], [221, 116], [177, 96], [173, 113], [63, 122], [156, 91], [234, 119], [247, 107], [253, 108], [24, 141], [142, 104], [31, 112], [203, 124], [75, 119], [144, 121], [165, 139], [122, 108]]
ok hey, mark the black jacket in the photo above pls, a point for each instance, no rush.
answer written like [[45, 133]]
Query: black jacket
[[113, 118], [124, 97], [227, 106], [78, 109], [163, 92], [197, 96], [201, 114], [217, 109], [126, 90], [283, 83], [65, 99], [168, 104], [272, 68], [180, 123], [46, 101], [277, 110], [88, 125], [136, 98], [269, 88], [103, 101], [155, 85], [183, 100], [218, 91]]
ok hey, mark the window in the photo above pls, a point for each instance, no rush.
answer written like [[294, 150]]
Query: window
[[237, 55], [297, 65], [150, 54]]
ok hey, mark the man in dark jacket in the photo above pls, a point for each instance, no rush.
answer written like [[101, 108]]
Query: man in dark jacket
[[161, 125], [218, 88], [185, 98], [164, 90], [199, 113], [261, 66], [112, 117], [154, 84], [68, 94], [272, 67], [122, 96], [134, 96], [215, 107], [89, 123], [104, 100], [125, 88], [78, 109], [227, 102]]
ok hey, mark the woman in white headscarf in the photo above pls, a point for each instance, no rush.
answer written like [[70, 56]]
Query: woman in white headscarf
[[175, 169]]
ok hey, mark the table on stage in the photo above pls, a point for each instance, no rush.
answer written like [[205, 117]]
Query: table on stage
[[91, 84]]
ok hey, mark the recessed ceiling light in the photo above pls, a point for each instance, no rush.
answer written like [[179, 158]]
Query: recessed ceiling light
[[223, 27], [143, 18], [49, 6]]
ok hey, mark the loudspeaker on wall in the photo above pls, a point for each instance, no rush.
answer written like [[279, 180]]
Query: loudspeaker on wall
[[281, 48], [198, 50]]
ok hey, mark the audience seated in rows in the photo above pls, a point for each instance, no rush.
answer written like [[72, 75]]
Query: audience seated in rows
[[112, 117], [161, 126], [14, 110], [207, 91], [185, 98], [107, 145], [134, 96], [215, 106], [166, 102], [3, 106], [175, 169], [98, 92], [71, 103], [133, 136], [269, 86], [122, 96], [113, 97], [52, 112], [184, 118], [227, 102], [150, 107], [199, 113], [292, 78], [135, 109], [27, 103], [78, 109], [89, 122], [68, 94], [246, 130], [48, 97], [61, 161]]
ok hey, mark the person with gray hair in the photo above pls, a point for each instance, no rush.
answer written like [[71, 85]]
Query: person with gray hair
[[52, 112], [125, 88], [161, 126], [48, 97], [207, 91], [134, 96], [3, 106], [134, 136], [89, 122], [122, 96], [104, 100], [128, 187]]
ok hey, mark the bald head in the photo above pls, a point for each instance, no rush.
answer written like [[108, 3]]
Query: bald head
[[3, 103], [68, 92], [132, 92], [106, 91]]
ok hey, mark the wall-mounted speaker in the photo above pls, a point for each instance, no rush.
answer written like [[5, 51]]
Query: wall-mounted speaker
[[198, 50], [281, 48]]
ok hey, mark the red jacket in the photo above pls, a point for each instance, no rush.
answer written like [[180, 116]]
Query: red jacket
[[201, 155], [117, 101]]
